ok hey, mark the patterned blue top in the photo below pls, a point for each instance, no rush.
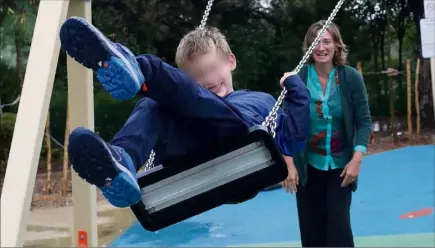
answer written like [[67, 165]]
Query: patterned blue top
[[326, 146]]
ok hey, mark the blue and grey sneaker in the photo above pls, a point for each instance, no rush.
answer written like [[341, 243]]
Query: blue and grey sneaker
[[115, 65], [108, 167]]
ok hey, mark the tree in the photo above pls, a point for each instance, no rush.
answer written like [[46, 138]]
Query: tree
[[399, 13], [416, 7], [17, 27], [374, 16]]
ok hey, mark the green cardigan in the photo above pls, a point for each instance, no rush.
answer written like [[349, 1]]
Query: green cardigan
[[357, 119]]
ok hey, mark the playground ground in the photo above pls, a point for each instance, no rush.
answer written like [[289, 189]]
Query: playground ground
[[392, 208]]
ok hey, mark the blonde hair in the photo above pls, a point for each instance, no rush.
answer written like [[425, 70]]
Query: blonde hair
[[340, 56], [199, 42]]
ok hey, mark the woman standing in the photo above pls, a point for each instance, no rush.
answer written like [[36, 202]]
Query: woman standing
[[339, 133]]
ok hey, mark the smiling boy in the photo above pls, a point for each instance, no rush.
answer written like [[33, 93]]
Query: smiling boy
[[179, 111]]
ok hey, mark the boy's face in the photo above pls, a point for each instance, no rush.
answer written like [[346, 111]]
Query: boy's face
[[213, 71]]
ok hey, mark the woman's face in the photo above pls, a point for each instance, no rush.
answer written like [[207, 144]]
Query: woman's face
[[325, 49]]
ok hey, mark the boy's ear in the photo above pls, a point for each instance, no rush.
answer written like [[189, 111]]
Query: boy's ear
[[232, 61]]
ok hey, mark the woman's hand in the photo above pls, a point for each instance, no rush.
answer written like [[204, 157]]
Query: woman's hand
[[350, 172], [292, 181], [283, 78]]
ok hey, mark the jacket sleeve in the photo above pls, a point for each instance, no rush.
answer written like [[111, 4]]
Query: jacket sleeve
[[294, 118], [163, 80], [361, 110]]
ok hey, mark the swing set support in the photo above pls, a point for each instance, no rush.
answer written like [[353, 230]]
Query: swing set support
[[29, 128]]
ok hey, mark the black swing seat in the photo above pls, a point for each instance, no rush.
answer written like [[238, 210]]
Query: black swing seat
[[229, 171]]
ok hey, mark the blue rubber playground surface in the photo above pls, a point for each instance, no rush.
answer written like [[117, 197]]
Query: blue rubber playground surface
[[392, 207]]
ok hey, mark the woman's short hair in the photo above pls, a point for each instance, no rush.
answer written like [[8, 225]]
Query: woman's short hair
[[340, 56]]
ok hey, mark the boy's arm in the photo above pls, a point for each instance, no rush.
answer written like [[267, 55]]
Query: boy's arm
[[168, 85], [174, 89], [294, 119]]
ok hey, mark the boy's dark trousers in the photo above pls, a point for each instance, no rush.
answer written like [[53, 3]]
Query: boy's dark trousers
[[324, 210]]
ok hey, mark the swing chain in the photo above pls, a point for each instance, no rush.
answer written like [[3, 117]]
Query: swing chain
[[206, 13], [150, 162], [270, 121]]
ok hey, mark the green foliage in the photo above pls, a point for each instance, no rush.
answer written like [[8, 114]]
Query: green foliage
[[266, 39], [19, 25], [9, 88], [7, 123]]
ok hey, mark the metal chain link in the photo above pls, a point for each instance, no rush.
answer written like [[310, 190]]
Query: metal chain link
[[270, 121], [150, 162], [206, 13]]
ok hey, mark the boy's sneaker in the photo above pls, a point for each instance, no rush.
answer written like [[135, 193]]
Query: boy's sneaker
[[108, 167], [115, 65]]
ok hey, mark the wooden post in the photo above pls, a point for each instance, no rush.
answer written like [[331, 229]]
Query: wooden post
[[417, 103], [49, 184], [81, 114], [409, 99], [65, 156]]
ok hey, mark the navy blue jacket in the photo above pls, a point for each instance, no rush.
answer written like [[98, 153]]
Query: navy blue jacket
[[173, 87]]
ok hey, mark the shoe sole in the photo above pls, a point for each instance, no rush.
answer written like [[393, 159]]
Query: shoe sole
[[93, 162], [88, 46]]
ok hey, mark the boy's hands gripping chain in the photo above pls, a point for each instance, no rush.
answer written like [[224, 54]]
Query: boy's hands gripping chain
[[284, 77]]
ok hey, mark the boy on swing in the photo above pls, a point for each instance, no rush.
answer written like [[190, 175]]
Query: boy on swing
[[179, 110]]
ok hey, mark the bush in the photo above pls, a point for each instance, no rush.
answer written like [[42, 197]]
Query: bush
[[7, 124]]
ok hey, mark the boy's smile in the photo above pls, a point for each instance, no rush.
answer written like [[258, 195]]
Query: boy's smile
[[213, 71], [215, 88]]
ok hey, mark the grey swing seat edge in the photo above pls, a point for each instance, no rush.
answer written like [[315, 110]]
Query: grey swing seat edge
[[218, 174], [227, 171]]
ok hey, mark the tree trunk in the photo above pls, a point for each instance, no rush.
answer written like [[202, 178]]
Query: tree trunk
[[18, 61], [399, 66], [408, 98], [401, 30], [381, 80], [375, 44], [392, 114], [65, 156], [382, 47], [48, 187], [417, 103], [425, 93]]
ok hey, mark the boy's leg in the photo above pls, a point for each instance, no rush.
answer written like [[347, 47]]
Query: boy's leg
[[151, 127], [88, 46], [122, 75], [112, 167]]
